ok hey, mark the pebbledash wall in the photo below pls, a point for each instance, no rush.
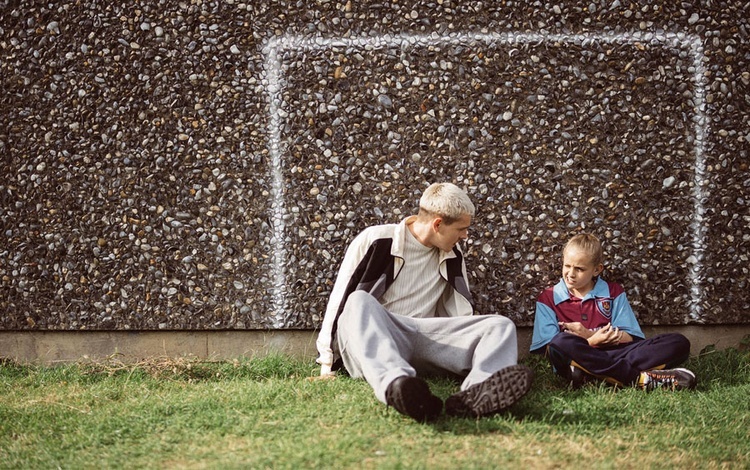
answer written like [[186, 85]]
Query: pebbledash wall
[[197, 168]]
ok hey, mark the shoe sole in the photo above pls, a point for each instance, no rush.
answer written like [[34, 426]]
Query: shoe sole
[[500, 391]]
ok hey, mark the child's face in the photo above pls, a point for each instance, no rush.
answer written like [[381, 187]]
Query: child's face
[[579, 271]]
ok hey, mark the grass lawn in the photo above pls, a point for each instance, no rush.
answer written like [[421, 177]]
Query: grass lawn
[[262, 413]]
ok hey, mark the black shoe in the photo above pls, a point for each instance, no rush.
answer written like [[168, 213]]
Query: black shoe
[[501, 390], [579, 378], [671, 379], [411, 396]]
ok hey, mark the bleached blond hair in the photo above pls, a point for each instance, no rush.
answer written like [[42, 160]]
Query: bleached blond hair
[[445, 200]]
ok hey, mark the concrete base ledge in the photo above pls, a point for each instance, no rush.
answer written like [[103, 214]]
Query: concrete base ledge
[[60, 347]]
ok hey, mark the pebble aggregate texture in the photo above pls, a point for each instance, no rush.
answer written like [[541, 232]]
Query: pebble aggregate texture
[[203, 164]]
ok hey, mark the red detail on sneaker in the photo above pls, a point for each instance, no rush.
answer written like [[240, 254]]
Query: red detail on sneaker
[[670, 379]]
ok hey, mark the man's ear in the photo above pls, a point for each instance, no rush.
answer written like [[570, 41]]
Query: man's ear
[[436, 222]]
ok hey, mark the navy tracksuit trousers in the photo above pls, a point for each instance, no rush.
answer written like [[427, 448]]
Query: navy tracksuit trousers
[[620, 364]]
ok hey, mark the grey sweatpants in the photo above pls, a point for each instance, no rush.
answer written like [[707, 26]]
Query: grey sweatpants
[[381, 346]]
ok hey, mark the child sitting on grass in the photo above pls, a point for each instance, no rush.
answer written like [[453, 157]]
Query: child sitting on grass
[[588, 330]]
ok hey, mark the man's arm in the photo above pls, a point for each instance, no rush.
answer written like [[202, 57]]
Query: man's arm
[[354, 254]]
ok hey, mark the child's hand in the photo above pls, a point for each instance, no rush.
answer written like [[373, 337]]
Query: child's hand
[[606, 336], [576, 328]]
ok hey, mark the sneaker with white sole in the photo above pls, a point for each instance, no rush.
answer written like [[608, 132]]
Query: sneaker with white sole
[[495, 394], [670, 379]]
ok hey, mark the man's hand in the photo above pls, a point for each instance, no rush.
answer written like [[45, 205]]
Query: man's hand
[[327, 376]]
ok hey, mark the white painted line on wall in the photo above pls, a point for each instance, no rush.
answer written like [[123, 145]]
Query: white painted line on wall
[[275, 149], [701, 130], [276, 46]]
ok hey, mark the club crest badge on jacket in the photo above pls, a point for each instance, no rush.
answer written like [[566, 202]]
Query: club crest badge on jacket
[[605, 307]]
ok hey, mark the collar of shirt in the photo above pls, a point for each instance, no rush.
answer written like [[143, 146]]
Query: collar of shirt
[[601, 289], [399, 238]]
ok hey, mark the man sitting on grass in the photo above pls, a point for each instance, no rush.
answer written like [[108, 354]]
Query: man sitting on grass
[[401, 307], [588, 331]]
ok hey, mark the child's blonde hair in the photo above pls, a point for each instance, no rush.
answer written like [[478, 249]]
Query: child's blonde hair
[[588, 243]]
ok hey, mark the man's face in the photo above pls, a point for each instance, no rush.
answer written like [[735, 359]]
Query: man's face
[[447, 235]]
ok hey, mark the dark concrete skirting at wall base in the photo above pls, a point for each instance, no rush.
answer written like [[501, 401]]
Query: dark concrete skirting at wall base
[[53, 347]]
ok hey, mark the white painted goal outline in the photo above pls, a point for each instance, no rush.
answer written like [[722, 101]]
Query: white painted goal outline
[[274, 83]]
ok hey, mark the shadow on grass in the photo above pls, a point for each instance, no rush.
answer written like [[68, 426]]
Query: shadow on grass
[[598, 406]]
